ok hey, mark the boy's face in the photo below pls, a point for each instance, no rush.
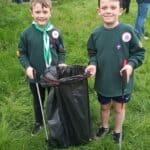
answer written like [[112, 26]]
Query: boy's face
[[109, 11], [41, 15]]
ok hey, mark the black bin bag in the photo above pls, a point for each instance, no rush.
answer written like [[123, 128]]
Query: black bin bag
[[67, 108]]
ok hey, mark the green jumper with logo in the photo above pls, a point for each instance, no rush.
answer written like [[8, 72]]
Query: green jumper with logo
[[107, 48], [30, 49]]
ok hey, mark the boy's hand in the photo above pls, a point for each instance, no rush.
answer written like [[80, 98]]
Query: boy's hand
[[128, 69], [91, 70], [62, 65], [29, 73]]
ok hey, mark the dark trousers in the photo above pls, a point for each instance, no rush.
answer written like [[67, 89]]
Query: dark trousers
[[126, 5], [36, 103]]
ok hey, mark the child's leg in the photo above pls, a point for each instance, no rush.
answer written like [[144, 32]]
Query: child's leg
[[105, 104], [105, 112], [36, 104], [119, 109]]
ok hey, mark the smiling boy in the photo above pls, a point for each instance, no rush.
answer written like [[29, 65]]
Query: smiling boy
[[109, 47], [40, 47]]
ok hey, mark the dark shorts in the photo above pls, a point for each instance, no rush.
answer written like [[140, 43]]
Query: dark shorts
[[120, 99]]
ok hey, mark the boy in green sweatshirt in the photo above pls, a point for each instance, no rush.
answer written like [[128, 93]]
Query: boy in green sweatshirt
[[40, 46], [113, 48]]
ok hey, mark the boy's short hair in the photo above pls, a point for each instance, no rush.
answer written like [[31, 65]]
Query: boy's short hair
[[44, 3], [114, 0]]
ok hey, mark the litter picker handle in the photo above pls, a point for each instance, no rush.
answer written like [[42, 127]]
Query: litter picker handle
[[124, 62], [34, 75], [87, 74], [124, 81]]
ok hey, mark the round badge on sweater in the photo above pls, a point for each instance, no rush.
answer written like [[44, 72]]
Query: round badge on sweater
[[126, 37], [55, 34]]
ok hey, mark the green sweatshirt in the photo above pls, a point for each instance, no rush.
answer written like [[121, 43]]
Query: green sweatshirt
[[107, 48], [31, 52]]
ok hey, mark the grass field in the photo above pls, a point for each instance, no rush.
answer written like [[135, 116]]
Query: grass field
[[76, 19]]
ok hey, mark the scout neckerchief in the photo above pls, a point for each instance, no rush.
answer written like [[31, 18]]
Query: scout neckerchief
[[46, 46]]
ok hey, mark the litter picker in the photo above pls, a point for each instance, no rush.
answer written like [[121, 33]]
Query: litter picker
[[124, 81], [40, 101]]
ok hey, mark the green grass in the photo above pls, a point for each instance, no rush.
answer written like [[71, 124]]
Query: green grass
[[76, 19]]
